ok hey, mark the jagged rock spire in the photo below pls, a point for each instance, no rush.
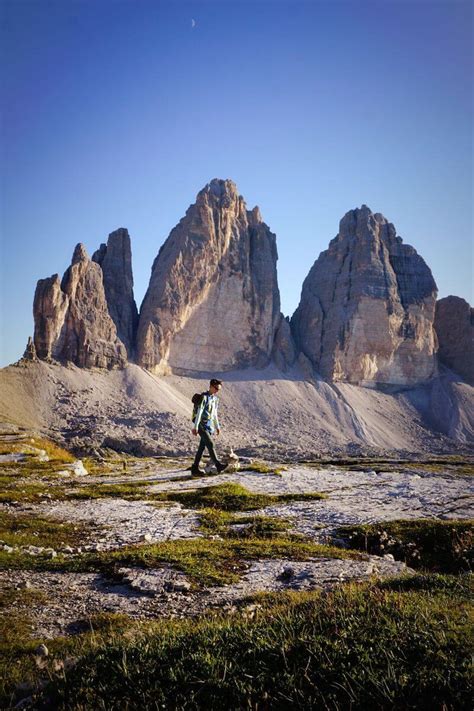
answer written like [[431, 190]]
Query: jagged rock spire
[[72, 321], [367, 306], [115, 259], [213, 301]]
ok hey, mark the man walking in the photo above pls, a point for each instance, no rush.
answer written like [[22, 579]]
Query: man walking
[[205, 424]]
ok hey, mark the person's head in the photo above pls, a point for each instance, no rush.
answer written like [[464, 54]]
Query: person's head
[[214, 386]]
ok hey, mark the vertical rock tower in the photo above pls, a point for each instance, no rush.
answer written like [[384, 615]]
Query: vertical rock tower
[[72, 320], [454, 324], [115, 259], [213, 301], [367, 307]]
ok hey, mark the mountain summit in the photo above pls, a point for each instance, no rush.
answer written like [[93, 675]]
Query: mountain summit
[[367, 307], [213, 301]]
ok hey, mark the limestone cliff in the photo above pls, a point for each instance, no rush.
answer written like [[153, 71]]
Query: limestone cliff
[[454, 325], [72, 321], [115, 259], [213, 301], [367, 307]]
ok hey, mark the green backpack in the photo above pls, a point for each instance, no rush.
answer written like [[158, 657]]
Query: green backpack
[[196, 400]]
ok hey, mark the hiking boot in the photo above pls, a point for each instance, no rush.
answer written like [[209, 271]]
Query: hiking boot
[[220, 467], [195, 471]]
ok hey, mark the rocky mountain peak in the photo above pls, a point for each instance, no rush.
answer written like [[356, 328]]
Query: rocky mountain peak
[[367, 306], [213, 300], [115, 259], [255, 216], [218, 192], [79, 254], [72, 318]]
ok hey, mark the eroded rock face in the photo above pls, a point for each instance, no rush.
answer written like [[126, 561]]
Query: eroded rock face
[[30, 351], [115, 258], [284, 350], [454, 325], [50, 305], [367, 307], [213, 302], [72, 321]]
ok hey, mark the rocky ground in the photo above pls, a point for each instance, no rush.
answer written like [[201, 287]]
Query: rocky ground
[[112, 523]]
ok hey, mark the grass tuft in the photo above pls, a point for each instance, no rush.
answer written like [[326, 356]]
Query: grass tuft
[[24, 530], [440, 546], [361, 646], [232, 497]]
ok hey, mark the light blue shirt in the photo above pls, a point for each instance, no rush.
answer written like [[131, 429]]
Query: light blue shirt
[[206, 415]]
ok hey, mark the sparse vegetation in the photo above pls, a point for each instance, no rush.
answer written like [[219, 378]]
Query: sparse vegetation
[[442, 546], [205, 561], [24, 530], [398, 643], [25, 491], [232, 497], [130, 490], [31, 446], [454, 465], [375, 645], [263, 468], [227, 525]]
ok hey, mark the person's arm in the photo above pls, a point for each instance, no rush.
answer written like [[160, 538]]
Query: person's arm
[[216, 419]]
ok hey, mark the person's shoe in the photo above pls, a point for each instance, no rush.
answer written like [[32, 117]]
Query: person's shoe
[[220, 467], [195, 471]]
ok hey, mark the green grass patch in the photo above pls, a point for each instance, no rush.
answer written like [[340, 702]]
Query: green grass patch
[[440, 546], [52, 450], [130, 490], [263, 468], [24, 491], [231, 497], [227, 525], [359, 646], [205, 561], [25, 529], [462, 466], [16, 644], [22, 672]]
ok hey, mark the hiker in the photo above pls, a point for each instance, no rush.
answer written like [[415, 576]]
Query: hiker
[[206, 423]]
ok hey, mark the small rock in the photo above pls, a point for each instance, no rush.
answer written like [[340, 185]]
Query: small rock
[[8, 549], [178, 586], [388, 556], [147, 538], [79, 469], [287, 573], [42, 651]]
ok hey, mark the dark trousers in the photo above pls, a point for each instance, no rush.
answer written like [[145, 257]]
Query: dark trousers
[[206, 441]]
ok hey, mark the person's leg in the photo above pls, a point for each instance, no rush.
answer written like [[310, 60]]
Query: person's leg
[[209, 443], [199, 452]]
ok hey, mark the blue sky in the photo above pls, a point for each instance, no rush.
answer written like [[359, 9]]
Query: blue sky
[[118, 112]]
